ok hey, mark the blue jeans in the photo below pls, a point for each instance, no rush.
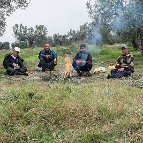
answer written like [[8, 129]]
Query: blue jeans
[[117, 74], [79, 67]]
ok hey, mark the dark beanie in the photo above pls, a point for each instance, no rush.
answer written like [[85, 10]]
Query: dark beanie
[[82, 46]]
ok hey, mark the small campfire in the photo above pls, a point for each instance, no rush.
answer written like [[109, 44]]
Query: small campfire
[[68, 65]]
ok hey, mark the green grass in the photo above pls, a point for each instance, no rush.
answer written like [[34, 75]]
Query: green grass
[[86, 110]]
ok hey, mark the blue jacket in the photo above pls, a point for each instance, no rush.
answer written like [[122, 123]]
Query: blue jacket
[[43, 54], [84, 56]]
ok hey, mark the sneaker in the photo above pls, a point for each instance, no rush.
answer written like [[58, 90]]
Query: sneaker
[[108, 76], [79, 73], [87, 73], [27, 73], [39, 65], [44, 69]]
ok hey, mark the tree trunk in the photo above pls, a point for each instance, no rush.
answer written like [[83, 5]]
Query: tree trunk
[[135, 44], [141, 38]]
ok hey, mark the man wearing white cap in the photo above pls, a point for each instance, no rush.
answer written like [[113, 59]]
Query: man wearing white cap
[[13, 63]]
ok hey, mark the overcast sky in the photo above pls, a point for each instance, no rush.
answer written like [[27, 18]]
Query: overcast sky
[[59, 16]]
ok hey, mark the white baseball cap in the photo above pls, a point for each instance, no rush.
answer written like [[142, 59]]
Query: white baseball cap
[[17, 49], [124, 46]]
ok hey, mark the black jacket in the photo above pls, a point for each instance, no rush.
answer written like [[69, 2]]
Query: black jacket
[[9, 60]]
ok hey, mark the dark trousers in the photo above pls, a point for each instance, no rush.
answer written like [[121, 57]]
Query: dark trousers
[[116, 74], [12, 71], [46, 65], [78, 67]]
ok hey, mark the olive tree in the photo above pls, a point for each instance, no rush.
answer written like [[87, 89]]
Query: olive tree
[[124, 17], [7, 7]]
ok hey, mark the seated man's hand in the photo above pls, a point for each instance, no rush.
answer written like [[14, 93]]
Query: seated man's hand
[[55, 61], [82, 62], [47, 56], [121, 69], [17, 67], [14, 64], [78, 61]]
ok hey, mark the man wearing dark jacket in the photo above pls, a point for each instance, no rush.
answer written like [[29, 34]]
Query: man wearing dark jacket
[[13, 63], [82, 62], [124, 65], [48, 58]]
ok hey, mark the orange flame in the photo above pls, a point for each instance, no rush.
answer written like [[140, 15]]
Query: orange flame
[[68, 64]]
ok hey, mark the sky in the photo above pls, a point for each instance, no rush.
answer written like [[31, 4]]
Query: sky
[[59, 16]]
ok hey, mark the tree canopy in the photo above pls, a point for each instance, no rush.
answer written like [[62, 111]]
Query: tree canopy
[[7, 7], [123, 17], [30, 36]]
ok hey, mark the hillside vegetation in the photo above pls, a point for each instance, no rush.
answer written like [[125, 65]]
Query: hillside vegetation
[[39, 109]]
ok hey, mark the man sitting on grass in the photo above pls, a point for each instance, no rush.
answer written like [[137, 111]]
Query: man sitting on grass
[[13, 63], [124, 66], [48, 58], [82, 62]]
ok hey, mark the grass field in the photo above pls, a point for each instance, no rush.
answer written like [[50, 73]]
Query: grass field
[[37, 109]]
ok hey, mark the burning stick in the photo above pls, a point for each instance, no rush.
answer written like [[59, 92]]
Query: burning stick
[[68, 64]]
